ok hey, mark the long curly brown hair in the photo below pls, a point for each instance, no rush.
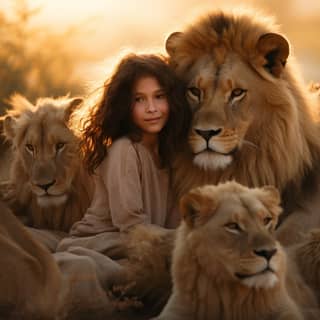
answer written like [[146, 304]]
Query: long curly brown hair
[[111, 117]]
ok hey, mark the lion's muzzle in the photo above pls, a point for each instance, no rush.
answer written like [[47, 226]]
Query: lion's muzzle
[[213, 148], [46, 186], [207, 134]]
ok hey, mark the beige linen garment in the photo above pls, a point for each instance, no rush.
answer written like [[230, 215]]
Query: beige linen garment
[[129, 189]]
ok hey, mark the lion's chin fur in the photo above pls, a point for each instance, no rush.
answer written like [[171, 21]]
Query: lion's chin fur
[[212, 161], [49, 200], [266, 280]]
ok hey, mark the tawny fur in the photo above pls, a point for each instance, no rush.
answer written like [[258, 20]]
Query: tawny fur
[[31, 283], [272, 132], [224, 231], [45, 152], [5, 154], [307, 255], [148, 287]]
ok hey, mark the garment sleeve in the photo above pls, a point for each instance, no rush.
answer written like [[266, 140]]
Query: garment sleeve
[[123, 181]]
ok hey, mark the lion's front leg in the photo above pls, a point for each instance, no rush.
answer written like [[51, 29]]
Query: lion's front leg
[[176, 309]]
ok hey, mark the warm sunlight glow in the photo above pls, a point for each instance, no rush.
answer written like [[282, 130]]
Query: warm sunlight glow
[[92, 34]]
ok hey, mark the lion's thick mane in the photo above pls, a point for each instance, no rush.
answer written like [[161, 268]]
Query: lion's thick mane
[[253, 119], [47, 181]]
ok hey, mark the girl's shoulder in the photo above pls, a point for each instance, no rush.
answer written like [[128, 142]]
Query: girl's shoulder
[[121, 154], [119, 144], [122, 148]]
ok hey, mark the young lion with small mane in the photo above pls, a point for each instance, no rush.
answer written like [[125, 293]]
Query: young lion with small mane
[[227, 263], [47, 182]]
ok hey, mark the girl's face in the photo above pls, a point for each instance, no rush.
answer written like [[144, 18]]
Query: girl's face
[[150, 108]]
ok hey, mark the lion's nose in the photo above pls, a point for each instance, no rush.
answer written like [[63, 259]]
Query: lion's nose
[[45, 187], [268, 254], [207, 134]]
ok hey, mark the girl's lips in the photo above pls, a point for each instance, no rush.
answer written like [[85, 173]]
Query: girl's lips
[[153, 119]]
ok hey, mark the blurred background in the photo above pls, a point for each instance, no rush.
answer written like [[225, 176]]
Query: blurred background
[[51, 48]]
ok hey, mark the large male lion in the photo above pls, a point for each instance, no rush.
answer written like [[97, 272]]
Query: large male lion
[[47, 181], [253, 120], [227, 264]]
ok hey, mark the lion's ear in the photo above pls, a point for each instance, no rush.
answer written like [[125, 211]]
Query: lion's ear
[[196, 207], [171, 42], [274, 49], [9, 124], [72, 105], [270, 197], [20, 103]]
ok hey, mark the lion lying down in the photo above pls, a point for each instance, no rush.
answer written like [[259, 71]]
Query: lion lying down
[[227, 263], [47, 182], [31, 283]]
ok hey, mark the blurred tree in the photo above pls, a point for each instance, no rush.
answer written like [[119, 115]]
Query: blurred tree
[[34, 61]]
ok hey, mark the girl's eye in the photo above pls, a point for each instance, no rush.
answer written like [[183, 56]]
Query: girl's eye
[[29, 147], [60, 145], [233, 227], [138, 99], [161, 96], [194, 91]]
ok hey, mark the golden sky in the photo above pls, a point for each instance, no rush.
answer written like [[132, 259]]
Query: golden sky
[[110, 26]]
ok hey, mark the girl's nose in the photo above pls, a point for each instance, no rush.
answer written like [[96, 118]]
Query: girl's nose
[[151, 107]]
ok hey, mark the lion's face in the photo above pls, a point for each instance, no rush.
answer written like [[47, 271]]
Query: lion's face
[[230, 230], [45, 147], [223, 108], [231, 77]]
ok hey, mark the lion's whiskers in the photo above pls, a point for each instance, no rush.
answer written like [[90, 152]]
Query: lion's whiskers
[[250, 144]]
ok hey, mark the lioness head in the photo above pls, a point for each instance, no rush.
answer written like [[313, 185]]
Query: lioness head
[[234, 67], [229, 229], [46, 150]]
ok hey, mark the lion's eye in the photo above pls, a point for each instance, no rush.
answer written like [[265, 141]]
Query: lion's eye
[[233, 227], [267, 220], [237, 94], [29, 147], [195, 92], [60, 145]]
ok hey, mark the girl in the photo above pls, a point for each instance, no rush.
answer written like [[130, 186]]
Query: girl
[[129, 141]]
